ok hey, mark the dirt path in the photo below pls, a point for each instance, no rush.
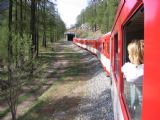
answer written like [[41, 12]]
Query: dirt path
[[74, 88]]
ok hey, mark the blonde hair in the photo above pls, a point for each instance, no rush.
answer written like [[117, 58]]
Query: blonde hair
[[136, 51]]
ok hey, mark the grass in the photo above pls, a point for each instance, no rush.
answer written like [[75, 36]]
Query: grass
[[47, 105], [57, 96], [3, 113], [20, 100], [42, 64]]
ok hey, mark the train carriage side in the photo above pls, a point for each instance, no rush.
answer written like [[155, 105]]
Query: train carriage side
[[100, 47], [129, 25], [151, 85], [107, 45], [107, 52], [104, 52], [91, 45], [138, 20], [88, 44]]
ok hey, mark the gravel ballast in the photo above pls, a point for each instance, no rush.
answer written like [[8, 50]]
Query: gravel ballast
[[96, 103]]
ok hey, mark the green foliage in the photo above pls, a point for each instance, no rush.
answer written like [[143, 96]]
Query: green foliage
[[84, 35], [100, 13], [3, 42], [54, 28], [21, 46], [22, 27]]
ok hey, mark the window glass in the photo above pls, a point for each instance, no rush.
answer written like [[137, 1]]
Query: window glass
[[133, 30], [116, 54], [108, 48]]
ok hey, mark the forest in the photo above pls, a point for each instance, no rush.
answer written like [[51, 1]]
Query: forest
[[26, 28], [99, 14]]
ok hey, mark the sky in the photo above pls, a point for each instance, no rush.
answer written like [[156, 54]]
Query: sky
[[70, 9]]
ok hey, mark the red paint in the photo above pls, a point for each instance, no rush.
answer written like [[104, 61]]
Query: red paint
[[151, 83]]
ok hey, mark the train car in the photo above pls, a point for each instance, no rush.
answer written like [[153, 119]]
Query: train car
[[136, 19], [100, 47], [80, 42], [103, 47], [88, 44], [91, 45]]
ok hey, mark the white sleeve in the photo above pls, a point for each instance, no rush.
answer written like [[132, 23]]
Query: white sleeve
[[132, 73], [124, 69], [128, 72]]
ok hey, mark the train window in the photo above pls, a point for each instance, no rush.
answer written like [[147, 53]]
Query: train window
[[133, 30], [103, 45], [112, 52], [108, 48], [116, 54]]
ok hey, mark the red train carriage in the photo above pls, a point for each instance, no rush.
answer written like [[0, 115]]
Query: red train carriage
[[103, 54], [99, 47], [136, 19]]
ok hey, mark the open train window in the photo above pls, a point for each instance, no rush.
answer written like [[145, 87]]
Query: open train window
[[103, 45], [116, 54], [108, 48], [133, 30]]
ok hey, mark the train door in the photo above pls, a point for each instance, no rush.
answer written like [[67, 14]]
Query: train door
[[133, 29]]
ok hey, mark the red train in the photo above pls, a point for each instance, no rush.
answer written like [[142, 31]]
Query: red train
[[135, 19], [99, 47]]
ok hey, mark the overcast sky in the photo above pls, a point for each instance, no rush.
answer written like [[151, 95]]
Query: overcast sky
[[70, 9]]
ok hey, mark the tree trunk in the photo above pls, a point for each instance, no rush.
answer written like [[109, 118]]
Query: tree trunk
[[10, 96], [21, 19], [44, 39], [44, 25], [21, 59], [32, 29], [16, 29], [37, 30]]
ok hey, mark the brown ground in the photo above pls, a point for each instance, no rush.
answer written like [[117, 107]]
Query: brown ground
[[62, 89]]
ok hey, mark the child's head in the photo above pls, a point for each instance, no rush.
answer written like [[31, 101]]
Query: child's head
[[136, 51]]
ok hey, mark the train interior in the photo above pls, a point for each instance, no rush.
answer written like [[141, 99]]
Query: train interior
[[133, 30]]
